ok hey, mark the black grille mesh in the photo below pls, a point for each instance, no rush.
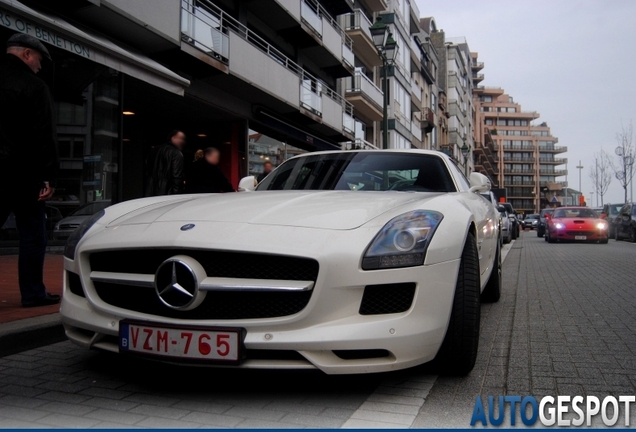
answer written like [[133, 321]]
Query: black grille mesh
[[226, 305], [216, 263], [387, 298], [75, 284]]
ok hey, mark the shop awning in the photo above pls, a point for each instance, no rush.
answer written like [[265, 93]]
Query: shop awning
[[59, 33]]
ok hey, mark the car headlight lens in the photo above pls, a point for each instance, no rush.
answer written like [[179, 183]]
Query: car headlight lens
[[559, 226], [402, 242], [601, 225], [76, 236]]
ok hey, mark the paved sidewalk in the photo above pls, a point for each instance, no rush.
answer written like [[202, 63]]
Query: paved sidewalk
[[10, 307]]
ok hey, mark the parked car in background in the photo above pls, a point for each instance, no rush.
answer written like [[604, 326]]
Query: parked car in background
[[580, 224], [512, 214], [625, 223], [531, 221], [609, 213], [545, 213], [506, 225], [9, 230], [490, 196], [65, 227]]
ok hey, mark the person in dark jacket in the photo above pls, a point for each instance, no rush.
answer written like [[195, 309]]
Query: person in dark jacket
[[165, 167], [267, 168], [28, 159], [205, 176]]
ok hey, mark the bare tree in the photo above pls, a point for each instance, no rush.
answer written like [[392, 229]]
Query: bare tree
[[601, 173], [624, 166]]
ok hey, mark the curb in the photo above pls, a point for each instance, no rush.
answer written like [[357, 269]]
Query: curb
[[30, 333]]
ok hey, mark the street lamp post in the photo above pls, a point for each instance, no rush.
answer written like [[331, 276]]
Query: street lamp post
[[465, 151], [580, 168], [387, 50]]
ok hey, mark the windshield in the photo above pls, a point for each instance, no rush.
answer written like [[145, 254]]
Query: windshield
[[362, 171], [90, 209], [614, 209], [575, 213], [532, 216], [546, 211]]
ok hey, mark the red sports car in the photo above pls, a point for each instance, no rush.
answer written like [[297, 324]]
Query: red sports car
[[576, 224]]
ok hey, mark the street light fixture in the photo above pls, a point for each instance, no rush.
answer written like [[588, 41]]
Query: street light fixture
[[465, 151], [387, 50]]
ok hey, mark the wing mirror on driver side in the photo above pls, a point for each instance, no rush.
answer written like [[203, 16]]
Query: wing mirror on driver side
[[479, 183], [247, 184]]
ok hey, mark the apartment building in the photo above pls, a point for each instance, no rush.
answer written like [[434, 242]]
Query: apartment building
[[485, 154], [455, 78], [526, 151]]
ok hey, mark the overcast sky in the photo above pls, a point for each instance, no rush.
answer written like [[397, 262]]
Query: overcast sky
[[573, 61]]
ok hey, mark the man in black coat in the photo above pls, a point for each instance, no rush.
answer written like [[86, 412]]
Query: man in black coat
[[28, 159], [205, 176], [165, 167]]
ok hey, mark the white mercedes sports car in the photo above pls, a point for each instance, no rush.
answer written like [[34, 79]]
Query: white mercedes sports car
[[344, 261]]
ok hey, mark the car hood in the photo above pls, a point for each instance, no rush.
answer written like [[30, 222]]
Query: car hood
[[335, 210], [577, 222]]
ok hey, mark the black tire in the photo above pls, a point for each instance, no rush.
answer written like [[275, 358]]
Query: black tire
[[604, 241], [617, 236], [515, 232], [492, 290], [632, 235], [507, 239], [549, 237], [539, 233], [458, 352]]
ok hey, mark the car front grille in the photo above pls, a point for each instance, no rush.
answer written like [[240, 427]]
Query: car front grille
[[580, 233], [242, 265], [69, 226], [220, 305], [387, 298]]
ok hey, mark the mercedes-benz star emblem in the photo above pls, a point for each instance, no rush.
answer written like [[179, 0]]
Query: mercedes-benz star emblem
[[187, 227], [177, 284]]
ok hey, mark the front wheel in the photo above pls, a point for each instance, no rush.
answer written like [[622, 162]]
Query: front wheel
[[548, 236], [492, 291], [617, 236], [632, 235], [458, 352]]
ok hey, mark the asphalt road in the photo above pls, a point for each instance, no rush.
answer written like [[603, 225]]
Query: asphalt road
[[565, 324]]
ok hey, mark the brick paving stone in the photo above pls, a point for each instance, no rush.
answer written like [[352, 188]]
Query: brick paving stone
[[107, 415]]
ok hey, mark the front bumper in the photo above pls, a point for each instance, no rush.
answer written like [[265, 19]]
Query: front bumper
[[330, 322], [571, 235]]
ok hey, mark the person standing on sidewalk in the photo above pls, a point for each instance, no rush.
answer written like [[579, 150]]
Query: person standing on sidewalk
[[28, 159], [166, 173]]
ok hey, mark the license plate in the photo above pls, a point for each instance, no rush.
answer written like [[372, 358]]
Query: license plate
[[580, 237], [209, 344]]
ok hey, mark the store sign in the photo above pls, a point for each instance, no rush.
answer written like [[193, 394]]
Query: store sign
[[50, 37]]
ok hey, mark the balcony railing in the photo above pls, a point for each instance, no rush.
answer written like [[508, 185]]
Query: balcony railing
[[416, 90], [553, 148], [558, 183], [416, 128], [358, 144], [314, 14], [518, 147], [519, 171], [518, 160], [359, 82], [202, 17], [356, 20], [478, 65], [553, 172]]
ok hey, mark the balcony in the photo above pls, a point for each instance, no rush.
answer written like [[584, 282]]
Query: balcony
[[377, 5], [518, 159], [315, 19], [530, 182], [519, 115], [522, 147], [416, 128], [561, 184], [556, 161], [364, 95], [477, 78], [552, 149], [553, 172], [356, 25], [516, 171], [416, 95], [358, 144], [477, 66], [428, 120], [262, 68]]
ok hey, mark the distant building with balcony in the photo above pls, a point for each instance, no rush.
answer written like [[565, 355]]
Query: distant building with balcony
[[456, 81], [485, 154], [526, 152]]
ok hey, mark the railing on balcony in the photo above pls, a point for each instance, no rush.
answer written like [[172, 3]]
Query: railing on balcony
[[517, 159], [416, 89], [518, 147], [558, 183], [358, 144], [416, 128], [415, 47], [519, 171], [552, 172], [478, 65], [356, 20], [348, 123], [314, 14], [215, 21], [553, 148], [359, 82]]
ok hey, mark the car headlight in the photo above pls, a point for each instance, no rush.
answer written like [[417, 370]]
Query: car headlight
[[601, 225], [559, 225], [76, 236], [402, 242]]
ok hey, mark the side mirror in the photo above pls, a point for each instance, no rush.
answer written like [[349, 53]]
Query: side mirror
[[247, 184], [479, 183]]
